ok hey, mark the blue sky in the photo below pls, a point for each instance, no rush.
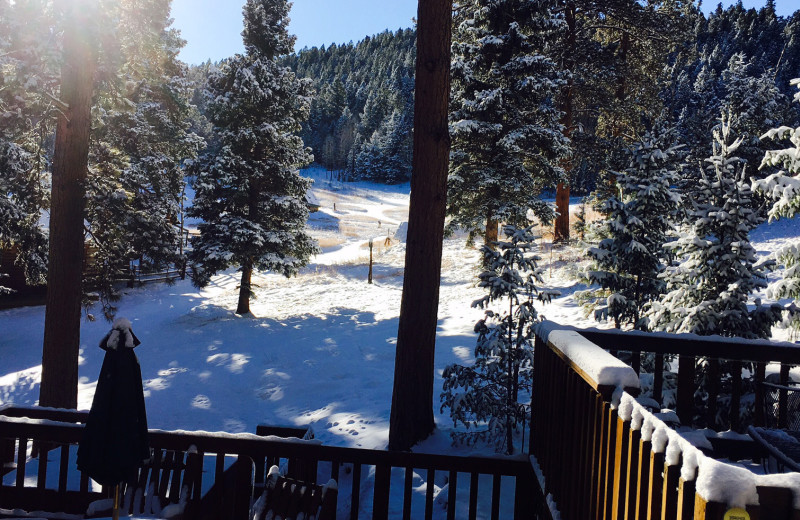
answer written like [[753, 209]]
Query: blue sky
[[212, 28]]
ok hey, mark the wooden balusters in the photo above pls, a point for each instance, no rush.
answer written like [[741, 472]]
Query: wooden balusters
[[380, 497], [355, 495]]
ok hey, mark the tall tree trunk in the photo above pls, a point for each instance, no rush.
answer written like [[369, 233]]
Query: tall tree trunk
[[411, 417], [625, 46], [490, 236], [244, 289], [621, 91], [62, 322], [561, 227]]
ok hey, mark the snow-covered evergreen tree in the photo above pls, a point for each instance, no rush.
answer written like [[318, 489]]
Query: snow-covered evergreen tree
[[27, 73], [638, 218], [139, 142], [249, 192], [717, 269], [755, 105], [505, 129], [492, 394], [387, 155], [19, 213], [784, 188]]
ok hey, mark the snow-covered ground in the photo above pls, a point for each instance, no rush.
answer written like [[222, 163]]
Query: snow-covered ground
[[318, 350]]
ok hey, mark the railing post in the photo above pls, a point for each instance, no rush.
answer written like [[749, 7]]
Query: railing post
[[736, 395], [611, 467], [643, 480], [670, 492], [380, 498], [686, 498], [658, 379], [704, 510], [783, 397], [524, 506], [620, 464], [634, 445], [6, 456], [685, 398], [599, 418], [655, 486], [713, 372], [775, 503]]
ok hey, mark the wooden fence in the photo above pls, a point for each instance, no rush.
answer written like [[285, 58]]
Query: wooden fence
[[136, 277], [600, 460], [476, 487]]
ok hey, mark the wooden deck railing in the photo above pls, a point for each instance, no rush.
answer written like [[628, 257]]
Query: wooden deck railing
[[476, 486], [604, 456], [714, 351]]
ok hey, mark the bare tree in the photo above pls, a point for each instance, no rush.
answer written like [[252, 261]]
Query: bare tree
[[412, 399]]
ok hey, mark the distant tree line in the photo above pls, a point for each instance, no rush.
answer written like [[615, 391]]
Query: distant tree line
[[362, 116]]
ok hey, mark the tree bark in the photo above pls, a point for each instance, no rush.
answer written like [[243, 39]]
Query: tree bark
[[561, 229], [490, 236], [244, 289], [62, 323], [411, 417]]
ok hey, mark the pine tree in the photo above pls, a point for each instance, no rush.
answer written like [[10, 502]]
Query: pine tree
[[411, 418], [614, 52], [505, 130], [783, 187], [249, 192], [28, 73], [755, 105], [362, 87], [638, 220], [19, 213], [140, 140], [59, 387], [708, 290], [490, 394]]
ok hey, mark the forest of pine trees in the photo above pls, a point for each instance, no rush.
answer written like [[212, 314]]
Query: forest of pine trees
[[674, 124], [607, 77], [361, 118]]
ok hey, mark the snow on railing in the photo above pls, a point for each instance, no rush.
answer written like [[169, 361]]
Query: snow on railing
[[594, 362], [601, 453], [716, 481]]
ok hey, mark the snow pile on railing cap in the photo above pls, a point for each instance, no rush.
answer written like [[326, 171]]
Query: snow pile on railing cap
[[194, 433], [238, 436], [714, 338], [28, 420], [716, 481], [603, 368]]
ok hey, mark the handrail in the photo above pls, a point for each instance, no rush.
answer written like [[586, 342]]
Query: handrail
[[757, 351], [600, 370], [795, 388], [778, 454], [309, 458], [608, 458], [257, 446]]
